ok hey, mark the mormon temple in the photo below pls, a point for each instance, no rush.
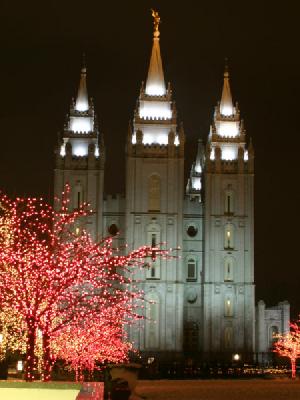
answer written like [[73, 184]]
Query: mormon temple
[[203, 301]]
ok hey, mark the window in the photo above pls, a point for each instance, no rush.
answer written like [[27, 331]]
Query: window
[[153, 245], [153, 240], [78, 195], [152, 321], [228, 269], [191, 269], [192, 231], [113, 230], [228, 307], [229, 202], [229, 237], [154, 193]]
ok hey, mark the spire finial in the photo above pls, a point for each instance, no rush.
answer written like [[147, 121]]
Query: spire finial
[[156, 22]]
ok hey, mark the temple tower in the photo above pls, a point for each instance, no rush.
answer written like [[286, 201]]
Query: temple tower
[[154, 206], [228, 272], [80, 158]]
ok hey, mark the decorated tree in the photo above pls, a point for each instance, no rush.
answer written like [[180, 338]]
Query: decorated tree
[[86, 344], [288, 345], [60, 283]]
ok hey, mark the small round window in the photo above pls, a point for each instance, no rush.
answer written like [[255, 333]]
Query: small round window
[[192, 231], [113, 230]]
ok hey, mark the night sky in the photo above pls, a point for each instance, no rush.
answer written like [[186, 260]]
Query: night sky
[[41, 47]]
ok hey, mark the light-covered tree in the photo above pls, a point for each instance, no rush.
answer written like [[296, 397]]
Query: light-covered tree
[[288, 345], [60, 283]]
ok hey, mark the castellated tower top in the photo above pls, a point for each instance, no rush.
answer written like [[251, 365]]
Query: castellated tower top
[[226, 145], [80, 137], [155, 118]]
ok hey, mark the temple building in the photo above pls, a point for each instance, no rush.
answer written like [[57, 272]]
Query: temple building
[[202, 302]]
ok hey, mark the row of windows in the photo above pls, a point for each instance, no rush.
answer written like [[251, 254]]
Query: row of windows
[[191, 266], [154, 197], [228, 269], [154, 194]]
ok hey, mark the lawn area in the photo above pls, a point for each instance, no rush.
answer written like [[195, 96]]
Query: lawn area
[[38, 391], [220, 390]]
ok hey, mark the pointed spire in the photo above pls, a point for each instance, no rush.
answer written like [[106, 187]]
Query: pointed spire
[[199, 157], [82, 100], [155, 85], [226, 106]]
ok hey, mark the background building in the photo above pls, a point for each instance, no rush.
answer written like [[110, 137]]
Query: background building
[[203, 301]]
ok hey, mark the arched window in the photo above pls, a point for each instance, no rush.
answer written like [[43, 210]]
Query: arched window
[[229, 236], [154, 193], [191, 269], [78, 195], [228, 312], [229, 202], [153, 240], [152, 321], [113, 229], [228, 269]]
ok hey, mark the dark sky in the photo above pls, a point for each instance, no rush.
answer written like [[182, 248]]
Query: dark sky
[[41, 44]]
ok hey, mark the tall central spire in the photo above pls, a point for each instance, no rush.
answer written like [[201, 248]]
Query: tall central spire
[[155, 85], [226, 106], [82, 100]]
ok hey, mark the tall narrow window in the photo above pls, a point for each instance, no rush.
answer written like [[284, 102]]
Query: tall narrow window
[[78, 195], [154, 193], [228, 307], [229, 202], [191, 269], [229, 237], [228, 269], [153, 245], [152, 321], [153, 240]]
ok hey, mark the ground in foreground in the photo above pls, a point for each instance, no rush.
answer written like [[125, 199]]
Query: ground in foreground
[[38, 390], [220, 389]]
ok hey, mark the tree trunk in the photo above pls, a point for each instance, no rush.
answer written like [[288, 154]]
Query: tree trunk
[[293, 362], [47, 358], [30, 365]]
